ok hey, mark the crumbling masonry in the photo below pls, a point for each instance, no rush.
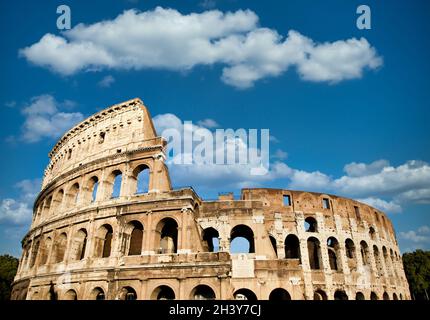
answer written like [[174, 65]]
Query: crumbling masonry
[[107, 225]]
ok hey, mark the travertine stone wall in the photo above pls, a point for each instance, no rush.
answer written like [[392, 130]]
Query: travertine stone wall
[[95, 236]]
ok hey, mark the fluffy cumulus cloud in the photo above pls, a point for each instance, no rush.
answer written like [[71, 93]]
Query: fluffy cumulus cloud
[[166, 39], [44, 119], [18, 211], [378, 184], [416, 238]]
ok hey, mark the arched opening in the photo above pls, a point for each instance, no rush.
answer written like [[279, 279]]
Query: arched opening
[[292, 247], [373, 296], [93, 186], [311, 225], [136, 238], [314, 251], [163, 293], [395, 297], [167, 230], [274, 246], [98, 294], [333, 253], [128, 293], [378, 260], [359, 296], [350, 249], [385, 296], [141, 174], [364, 249], [73, 195], [44, 253], [320, 295], [340, 295], [70, 295], [47, 206], [80, 244], [279, 294], [34, 251], [116, 177], [210, 237], [372, 233], [242, 239], [57, 200], [401, 297], [202, 292], [60, 248], [387, 261], [244, 294], [103, 241]]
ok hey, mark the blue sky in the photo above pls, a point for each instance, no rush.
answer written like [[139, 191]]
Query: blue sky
[[355, 125]]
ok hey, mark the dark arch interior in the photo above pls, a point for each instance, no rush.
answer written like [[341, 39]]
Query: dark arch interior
[[292, 247], [245, 232], [203, 292], [211, 238], [244, 294], [279, 294]]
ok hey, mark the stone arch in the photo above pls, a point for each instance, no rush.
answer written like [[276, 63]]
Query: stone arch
[[127, 293], [387, 261], [97, 294], [47, 206], [244, 232], [314, 252], [92, 187], [373, 296], [79, 244], [163, 292], [140, 179], [135, 232], [60, 247], [112, 184], [57, 200], [350, 249], [320, 294], [395, 296], [372, 233], [244, 294], [167, 235], [103, 241], [378, 260], [333, 251], [385, 296], [365, 254], [210, 237], [340, 295], [359, 296], [202, 292], [73, 195], [44, 252], [279, 294], [34, 251], [70, 295], [292, 247], [311, 224]]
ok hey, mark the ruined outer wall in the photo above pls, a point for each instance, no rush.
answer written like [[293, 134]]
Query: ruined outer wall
[[65, 249]]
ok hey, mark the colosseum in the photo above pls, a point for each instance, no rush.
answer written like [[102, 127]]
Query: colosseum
[[108, 225]]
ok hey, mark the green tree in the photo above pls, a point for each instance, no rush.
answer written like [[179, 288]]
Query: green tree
[[417, 269], [8, 267]]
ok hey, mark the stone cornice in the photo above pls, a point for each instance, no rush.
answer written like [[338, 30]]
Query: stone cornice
[[97, 117]]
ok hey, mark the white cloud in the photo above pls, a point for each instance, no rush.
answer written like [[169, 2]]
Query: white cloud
[[43, 119], [19, 211], [106, 82], [280, 154], [208, 123], [419, 236], [10, 104], [386, 206], [166, 39], [362, 169], [378, 184]]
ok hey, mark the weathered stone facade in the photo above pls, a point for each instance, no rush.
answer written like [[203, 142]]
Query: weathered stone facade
[[101, 230]]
